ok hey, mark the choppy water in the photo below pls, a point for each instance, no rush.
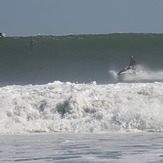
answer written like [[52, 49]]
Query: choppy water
[[64, 147]]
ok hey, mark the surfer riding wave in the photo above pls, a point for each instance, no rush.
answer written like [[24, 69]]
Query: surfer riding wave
[[131, 66]]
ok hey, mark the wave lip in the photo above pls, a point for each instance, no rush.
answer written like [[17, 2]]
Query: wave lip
[[70, 107]]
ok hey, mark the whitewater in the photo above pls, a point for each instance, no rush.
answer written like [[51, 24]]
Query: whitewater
[[71, 107]]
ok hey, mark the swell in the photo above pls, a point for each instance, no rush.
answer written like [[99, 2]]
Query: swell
[[75, 58]]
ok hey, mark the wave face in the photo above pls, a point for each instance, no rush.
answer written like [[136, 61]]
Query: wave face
[[77, 58], [70, 107]]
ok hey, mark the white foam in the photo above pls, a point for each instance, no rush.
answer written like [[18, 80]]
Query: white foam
[[142, 74], [71, 107]]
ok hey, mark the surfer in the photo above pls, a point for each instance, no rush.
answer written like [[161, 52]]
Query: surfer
[[132, 64], [32, 42], [1, 35]]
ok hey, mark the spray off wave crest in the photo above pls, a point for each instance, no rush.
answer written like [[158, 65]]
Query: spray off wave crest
[[142, 74], [70, 107]]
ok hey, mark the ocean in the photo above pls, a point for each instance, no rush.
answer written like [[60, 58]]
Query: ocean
[[61, 99]]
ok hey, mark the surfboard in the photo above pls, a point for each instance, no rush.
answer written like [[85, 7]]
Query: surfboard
[[126, 71], [127, 74]]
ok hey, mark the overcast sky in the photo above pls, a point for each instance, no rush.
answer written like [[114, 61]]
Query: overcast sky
[[60, 17]]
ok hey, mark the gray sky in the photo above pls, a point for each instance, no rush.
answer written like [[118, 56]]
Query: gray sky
[[60, 17]]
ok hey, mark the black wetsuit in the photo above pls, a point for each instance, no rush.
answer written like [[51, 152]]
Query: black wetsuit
[[132, 64]]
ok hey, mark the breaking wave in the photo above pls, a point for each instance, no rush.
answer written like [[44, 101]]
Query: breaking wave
[[70, 107]]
